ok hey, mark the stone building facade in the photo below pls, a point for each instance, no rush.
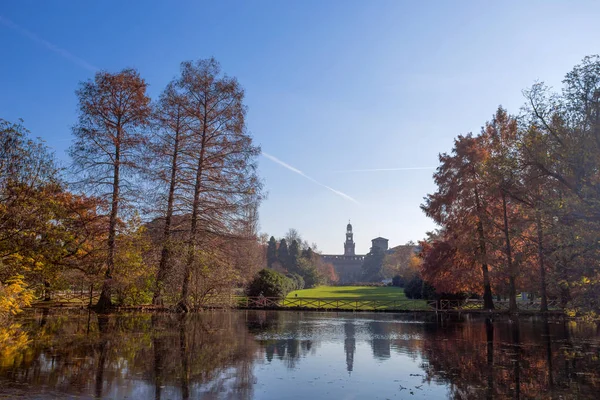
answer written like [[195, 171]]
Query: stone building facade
[[348, 266]]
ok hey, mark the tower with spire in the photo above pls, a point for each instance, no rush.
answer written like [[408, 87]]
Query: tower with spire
[[349, 243]]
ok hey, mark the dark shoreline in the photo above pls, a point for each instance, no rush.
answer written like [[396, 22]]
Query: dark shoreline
[[159, 309]]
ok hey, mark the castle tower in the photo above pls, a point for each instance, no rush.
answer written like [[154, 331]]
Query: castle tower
[[349, 243]]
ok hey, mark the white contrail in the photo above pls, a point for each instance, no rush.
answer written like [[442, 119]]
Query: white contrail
[[385, 169], [50, 46], [296, 170]]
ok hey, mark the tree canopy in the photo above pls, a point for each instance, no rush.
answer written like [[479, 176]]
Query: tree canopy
[[517, 204]]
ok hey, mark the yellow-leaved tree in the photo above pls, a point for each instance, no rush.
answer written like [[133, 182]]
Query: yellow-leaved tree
[[14, 295]]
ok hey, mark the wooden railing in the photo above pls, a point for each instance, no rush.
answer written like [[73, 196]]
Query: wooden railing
[[333, 304], [69, 297], [79, 298], [387, 305]]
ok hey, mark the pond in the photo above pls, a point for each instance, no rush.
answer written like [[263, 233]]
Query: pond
[[300, 355]]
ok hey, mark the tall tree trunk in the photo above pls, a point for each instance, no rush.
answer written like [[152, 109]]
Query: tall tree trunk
[[565, 292], [183, 305], [512, 276], [163, 265], [544, 298], [104, 302], [47, 291], [488, 300]]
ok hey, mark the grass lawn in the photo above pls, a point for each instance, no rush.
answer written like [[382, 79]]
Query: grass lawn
[[351, 293], [362, 294]]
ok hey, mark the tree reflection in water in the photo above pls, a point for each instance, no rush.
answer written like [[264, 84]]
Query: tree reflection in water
[[519, 360], [226, 355], [103, 358]]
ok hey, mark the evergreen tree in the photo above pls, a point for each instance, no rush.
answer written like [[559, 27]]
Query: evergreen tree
[[271, 252], [294, 255], [283, 253], [307, 253]]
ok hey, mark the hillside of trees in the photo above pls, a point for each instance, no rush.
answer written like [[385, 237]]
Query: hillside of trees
[[518, 204]]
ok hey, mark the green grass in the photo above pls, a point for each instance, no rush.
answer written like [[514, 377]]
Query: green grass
[[361, 294], [351, 293]]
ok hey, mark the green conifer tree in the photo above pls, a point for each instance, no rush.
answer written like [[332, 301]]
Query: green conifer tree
[[271, 252]]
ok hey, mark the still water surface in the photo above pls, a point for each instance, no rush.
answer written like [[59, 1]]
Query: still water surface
[[301, 355]]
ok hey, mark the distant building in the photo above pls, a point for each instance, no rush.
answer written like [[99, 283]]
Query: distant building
[[349, 243], [381, 243], [348, 266]]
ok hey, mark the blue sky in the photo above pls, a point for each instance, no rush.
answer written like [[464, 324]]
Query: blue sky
[[331, 86]]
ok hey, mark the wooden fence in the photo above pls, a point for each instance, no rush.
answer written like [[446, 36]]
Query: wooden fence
[[70, 298], [83, 298], [333, 304], [385, 305]]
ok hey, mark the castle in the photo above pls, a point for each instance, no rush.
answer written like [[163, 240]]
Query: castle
[[348, 266]]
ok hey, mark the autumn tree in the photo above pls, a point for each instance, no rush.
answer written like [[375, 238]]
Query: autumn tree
[[447, 265], [26, 168], [526, 206], [397, 262], [218, 171], [38, 217], [171, 123], [460, 206], [540, 197], [27, 171], [500, 136], [110, 135], [326, 271], [46, 232], [563, 145]]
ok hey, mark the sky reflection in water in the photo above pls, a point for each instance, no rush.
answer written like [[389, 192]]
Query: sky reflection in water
[[307, 355]]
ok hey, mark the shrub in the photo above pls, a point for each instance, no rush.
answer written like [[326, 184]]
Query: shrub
[[417, 289], [310, 273], [398, 281], [269, 283], [297, 280]]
